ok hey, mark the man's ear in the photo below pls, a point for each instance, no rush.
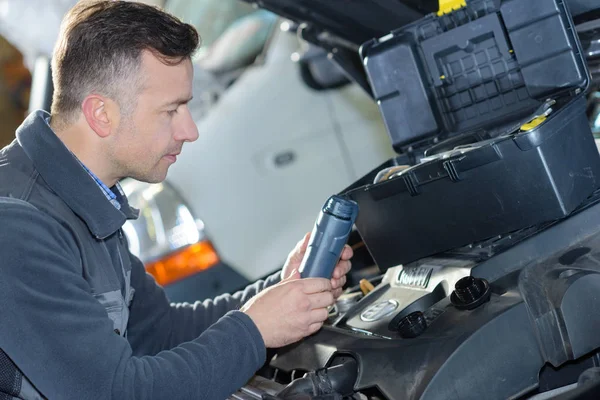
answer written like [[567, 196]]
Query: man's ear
[[99, 114]]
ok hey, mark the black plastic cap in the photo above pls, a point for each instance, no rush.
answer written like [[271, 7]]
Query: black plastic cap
[[470, 292], [340, 207], [413, 325]]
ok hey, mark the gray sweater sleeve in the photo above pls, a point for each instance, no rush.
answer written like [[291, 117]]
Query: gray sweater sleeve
[[61, 339], [156, 325]]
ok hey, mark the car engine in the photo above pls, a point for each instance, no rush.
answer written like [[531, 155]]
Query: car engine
[[511, 316], [425, 329]]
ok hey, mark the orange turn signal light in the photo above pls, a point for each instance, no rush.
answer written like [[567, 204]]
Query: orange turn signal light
[[183, 263]]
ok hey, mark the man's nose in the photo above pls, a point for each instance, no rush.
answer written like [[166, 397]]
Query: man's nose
[[186, 131]]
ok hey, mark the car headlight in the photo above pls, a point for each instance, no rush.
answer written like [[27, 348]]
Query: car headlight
[[166, 237]]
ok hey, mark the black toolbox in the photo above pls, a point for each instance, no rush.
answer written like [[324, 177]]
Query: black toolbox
[[495, 91]]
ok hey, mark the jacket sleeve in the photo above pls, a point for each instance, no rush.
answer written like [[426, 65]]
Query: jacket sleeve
[[62, 340], [156, 325]]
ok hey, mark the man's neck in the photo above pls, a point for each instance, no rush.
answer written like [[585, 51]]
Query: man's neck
[[78, 141]]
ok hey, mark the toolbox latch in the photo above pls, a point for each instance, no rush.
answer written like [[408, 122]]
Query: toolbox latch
[[451, 170], [410, 184], [447, 6]]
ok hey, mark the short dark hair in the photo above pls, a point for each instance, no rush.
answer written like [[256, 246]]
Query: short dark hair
[[99, 51]]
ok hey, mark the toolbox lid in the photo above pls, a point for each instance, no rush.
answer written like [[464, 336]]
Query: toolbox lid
[[481, 67]]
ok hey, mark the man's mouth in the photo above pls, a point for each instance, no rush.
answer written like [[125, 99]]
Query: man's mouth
[[172, 157]]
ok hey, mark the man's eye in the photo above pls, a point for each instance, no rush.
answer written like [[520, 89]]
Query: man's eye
[[172, 112]]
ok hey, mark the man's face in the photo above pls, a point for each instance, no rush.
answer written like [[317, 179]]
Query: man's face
[[148, 141]]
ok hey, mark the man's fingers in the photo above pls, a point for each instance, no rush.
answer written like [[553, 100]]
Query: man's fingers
[[315, 327], [318, 316], [338, 283], [315, 285], [341, 269], [321, 300], [347, 253], [337, 293]]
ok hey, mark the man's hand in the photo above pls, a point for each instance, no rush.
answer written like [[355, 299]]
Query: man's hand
[[338, 279], [291, 310]]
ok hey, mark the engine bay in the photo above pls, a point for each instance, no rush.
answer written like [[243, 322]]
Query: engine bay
[[425, 330]]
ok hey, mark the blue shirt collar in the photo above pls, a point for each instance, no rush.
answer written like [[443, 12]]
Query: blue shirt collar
[[108, 193]]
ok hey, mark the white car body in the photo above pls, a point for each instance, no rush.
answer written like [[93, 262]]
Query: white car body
[[254, 209]]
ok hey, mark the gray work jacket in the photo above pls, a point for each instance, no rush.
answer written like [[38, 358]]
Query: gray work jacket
[[79, 316]]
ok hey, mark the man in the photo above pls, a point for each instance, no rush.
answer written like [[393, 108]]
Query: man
[[79, 316]]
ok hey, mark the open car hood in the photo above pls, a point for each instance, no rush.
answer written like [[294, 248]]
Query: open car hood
[[340, 27], [353, 22]]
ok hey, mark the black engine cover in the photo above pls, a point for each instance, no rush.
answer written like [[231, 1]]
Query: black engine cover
[[541, 310]]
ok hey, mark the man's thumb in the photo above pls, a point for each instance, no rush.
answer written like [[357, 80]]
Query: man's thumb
[[304, 245], [293, 276]]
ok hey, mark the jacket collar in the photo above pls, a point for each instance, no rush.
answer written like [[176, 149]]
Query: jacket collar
[[67, 178]]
